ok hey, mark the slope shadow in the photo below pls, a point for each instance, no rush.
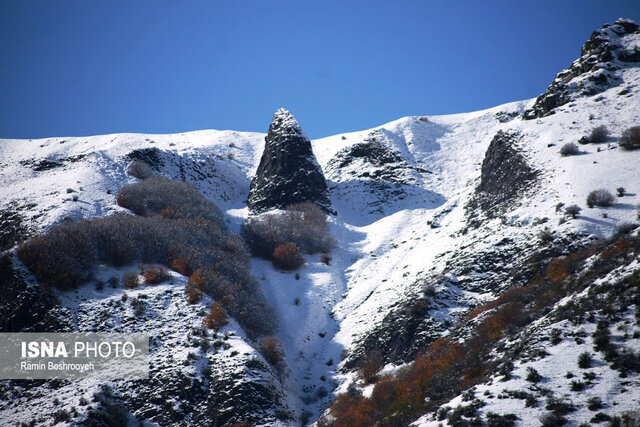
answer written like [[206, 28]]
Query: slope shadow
[[362, 202]]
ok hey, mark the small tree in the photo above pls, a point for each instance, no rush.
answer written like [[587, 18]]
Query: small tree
[[288, 257], [630, 139], [569, 149], [621, 191], [573, 210], [601, 197]]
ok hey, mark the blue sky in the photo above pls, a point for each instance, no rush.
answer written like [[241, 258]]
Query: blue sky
[[83, 67]]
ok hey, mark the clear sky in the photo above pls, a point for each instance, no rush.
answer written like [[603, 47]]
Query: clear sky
[[84, 67]]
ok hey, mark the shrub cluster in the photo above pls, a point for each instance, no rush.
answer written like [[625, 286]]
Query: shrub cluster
[[179, 229], [630, 139], [447, 366], [304, 224], [168, 198]]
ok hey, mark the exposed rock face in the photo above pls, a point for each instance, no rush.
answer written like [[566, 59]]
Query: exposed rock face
[[607, 50], [288, 171], [503, 176]]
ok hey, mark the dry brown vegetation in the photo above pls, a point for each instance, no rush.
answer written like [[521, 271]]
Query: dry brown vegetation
[[287, 257], [154, 274], [217, 317], [177, 227], [447, 366]]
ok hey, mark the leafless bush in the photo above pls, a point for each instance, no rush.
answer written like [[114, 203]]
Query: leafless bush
[[168, 198], [601, 197], [192, 237], [569, 149], [599, 134], [305, 224], [630, 139], [139, 169]]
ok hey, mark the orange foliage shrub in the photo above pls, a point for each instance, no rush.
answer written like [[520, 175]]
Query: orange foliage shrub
[[272, 351], [288, 257], [352, 410], [130, 279], [491, 328], [216, 318], [620, 247], [154, 274], [194, 296]]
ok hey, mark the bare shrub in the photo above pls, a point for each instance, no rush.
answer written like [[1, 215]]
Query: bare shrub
[[183, 231], [217, 318], [630, 139], [370, 367], [272, 351], [569, 149], [139, 169], [599, 134], [287, 257], [162, 196], [154, 274], [573, 210], [601, 197], [546, 235], [130, 279], [305, 224]]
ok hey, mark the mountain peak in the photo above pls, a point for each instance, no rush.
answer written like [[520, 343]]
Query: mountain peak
[[608, 50], [284, 122]]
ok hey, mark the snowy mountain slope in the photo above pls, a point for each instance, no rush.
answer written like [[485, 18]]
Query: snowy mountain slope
[[402, 193]]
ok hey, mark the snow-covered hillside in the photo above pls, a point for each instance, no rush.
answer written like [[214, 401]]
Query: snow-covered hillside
[[404, 195]]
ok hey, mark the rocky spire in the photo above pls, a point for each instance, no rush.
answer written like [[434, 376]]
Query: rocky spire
[[288, 171]]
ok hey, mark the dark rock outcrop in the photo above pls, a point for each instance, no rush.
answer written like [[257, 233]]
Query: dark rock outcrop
[[288, 172], [503, 176], [606, 51]]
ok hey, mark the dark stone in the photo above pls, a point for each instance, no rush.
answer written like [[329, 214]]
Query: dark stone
[[503, 176], [25, 308], [627, 55], [288, 172], [152, 156]]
